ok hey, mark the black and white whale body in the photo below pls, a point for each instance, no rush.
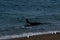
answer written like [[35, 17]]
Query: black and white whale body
[[32, 23]]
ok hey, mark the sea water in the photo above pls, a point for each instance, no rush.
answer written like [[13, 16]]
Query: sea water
[[14, 12]]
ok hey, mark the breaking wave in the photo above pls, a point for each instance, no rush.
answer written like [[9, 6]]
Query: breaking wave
[[26, 35]]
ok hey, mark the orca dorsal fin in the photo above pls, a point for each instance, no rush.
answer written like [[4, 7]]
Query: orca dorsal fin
[[27, 21]]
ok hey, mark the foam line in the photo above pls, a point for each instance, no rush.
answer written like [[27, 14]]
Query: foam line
[[27, 34]]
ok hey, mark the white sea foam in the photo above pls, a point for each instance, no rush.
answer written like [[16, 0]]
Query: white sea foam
[[27, 34]]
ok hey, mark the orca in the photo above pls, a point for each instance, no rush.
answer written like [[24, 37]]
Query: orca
[[28, 23]]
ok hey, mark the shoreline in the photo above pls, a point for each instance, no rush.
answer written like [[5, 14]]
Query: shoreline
[[41, 37], [31, 35]]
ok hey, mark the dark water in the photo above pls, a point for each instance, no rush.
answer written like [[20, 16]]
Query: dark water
[[14, 12]]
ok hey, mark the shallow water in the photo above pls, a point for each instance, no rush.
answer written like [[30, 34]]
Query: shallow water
[[14, 12]]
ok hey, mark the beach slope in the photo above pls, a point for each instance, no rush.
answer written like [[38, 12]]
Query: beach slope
[[41, 37]]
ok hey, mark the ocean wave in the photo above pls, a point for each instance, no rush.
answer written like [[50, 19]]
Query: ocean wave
[[27, 35]]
